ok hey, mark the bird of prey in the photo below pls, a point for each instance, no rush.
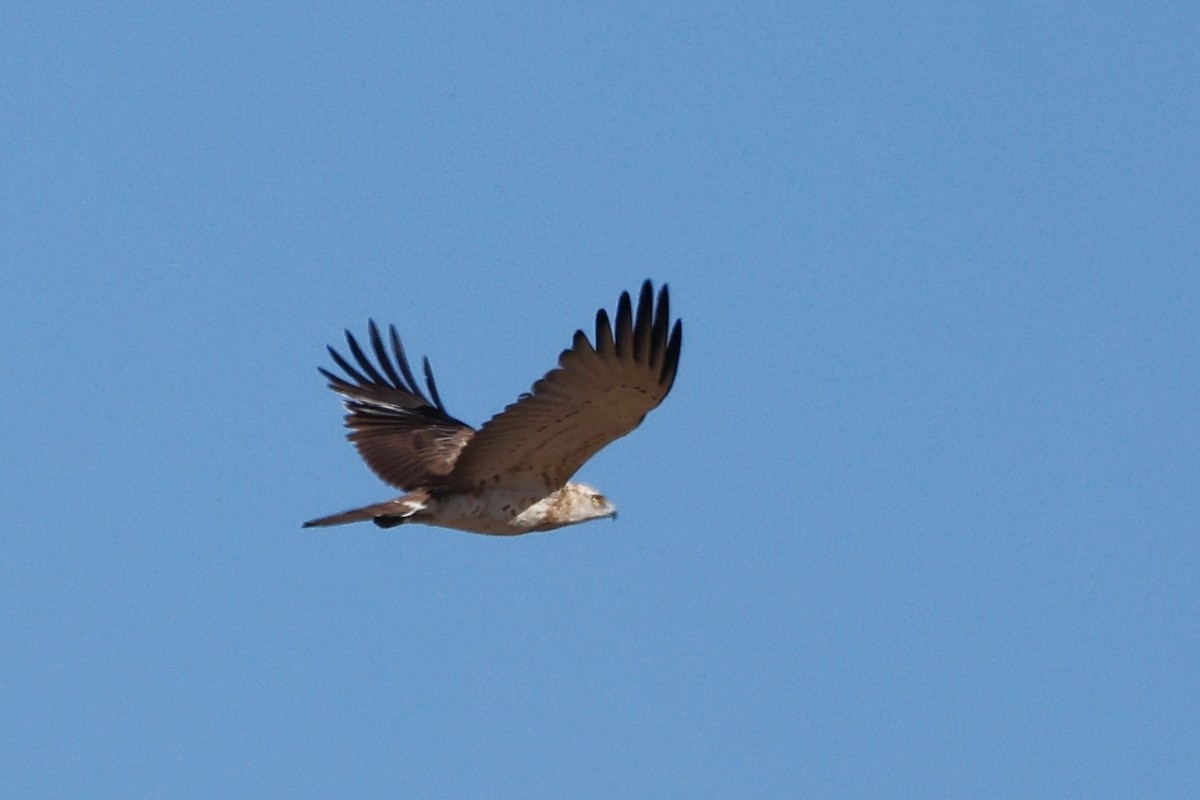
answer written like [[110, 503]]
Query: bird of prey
[[510, 476]]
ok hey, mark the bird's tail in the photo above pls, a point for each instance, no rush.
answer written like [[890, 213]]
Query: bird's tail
[[388, 514]]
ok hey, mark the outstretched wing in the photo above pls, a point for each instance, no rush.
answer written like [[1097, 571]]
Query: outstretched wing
[[595, 395], [406, 438]]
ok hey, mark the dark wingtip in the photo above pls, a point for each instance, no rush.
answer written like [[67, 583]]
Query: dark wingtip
[[662, 321], [402, 361], [381, 355], [643, 327], [354, 374], [432, 384], [390, 370], [363, 362], [671, 359], [623, 325], [604, 333]]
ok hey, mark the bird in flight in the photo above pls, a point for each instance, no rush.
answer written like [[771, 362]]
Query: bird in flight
[[511, 476]]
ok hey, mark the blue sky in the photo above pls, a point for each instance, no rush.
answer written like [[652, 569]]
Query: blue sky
[[919, 519]]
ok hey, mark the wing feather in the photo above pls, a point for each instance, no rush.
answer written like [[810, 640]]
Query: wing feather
[[597, 394], [406, 438], [644, 327]]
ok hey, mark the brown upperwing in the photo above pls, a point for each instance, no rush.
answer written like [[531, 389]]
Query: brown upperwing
[[406, 438], [595, 395]]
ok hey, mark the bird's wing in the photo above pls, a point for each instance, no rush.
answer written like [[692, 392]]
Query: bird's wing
[[406, 438], [595, 395]]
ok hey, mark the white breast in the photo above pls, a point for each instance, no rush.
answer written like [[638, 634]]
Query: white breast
[[492, 512]]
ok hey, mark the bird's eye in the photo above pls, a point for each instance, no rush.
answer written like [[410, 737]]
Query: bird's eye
[[597, 500]]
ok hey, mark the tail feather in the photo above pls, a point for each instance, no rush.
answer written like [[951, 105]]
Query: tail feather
[[386, 515]]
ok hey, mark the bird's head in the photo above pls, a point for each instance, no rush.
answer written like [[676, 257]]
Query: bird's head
[[580, 503]]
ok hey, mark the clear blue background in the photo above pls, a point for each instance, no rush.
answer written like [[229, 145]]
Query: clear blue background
[[920, 518]]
